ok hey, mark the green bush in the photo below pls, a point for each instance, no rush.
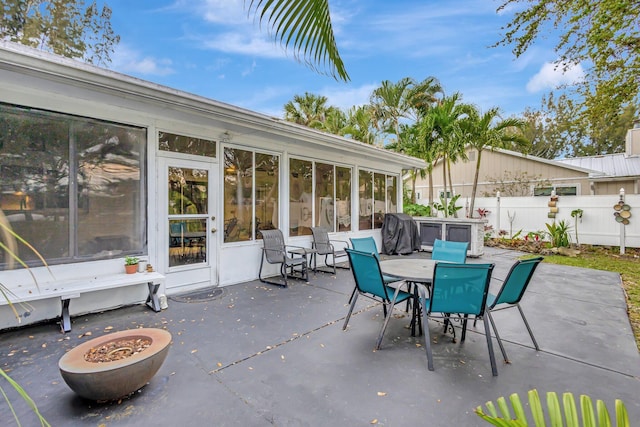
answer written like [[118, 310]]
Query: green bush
[[559, 234], [416, 210]]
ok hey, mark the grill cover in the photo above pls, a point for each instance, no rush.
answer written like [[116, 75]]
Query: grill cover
[[400, 235]]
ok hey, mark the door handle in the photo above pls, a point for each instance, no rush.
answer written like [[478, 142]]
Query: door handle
[[213, 230]]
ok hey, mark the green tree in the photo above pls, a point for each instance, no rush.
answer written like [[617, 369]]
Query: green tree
[[308, 110], [304, 25], [558, 129], [603, 36], [447, 135], [64, 27], [360, 125], [487, 131], [391, 103]]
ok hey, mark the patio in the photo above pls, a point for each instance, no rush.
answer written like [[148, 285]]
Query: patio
[[259, 355]]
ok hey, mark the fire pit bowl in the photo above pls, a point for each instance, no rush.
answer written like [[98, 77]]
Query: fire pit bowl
[[110, 380]]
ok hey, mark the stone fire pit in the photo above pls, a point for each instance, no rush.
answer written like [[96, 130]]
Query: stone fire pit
[[115, 365]]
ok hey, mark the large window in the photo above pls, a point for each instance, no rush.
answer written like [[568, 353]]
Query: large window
[[319, 193], [378, 195], [73, 187], [251, 194]]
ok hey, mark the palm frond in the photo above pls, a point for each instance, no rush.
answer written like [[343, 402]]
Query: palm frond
[[557, 416], [305, 26]]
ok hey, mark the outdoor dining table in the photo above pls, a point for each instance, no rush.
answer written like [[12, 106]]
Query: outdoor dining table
[[414, 271]]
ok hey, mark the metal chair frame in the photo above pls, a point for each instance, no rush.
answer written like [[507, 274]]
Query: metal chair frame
[[370, 284], [510, 294], [323, 245], [454, 296], [275, 251]]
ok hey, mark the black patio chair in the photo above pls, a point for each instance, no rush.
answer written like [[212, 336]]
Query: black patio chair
[[290, 257], [323, 245]]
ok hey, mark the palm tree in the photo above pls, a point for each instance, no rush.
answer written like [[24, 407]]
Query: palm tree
[[308, 110], [446, 134], [389, 104], [488, 131], [359, 125], [406, 99], [304, 25], [335, 121]]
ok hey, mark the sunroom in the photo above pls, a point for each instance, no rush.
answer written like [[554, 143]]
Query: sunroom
[[97, 165]]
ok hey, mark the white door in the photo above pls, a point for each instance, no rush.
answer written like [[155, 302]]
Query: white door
[[188, 223]]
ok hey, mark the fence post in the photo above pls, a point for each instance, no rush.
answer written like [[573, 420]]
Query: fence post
[[497, 213], [622, 229]]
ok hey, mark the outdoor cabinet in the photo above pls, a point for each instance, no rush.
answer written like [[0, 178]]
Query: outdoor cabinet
[[453, 229]]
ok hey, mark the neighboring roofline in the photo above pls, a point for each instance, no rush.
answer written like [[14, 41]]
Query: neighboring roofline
[[31, 60], [546, 161]]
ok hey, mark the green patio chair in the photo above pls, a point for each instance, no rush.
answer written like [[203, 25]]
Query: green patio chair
[[460, 289], [368, 245], [510, 294], [369, 283], [445, 250]]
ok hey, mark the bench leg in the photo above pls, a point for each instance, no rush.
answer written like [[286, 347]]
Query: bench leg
[[152, 299], [65, 319]]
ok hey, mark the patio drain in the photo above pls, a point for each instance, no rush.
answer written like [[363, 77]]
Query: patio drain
[[201, 295]]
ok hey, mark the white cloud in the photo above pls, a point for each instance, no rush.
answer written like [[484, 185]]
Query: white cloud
[[245, 44], [345, 98], [128, 60], [227, 12], [551, 76]]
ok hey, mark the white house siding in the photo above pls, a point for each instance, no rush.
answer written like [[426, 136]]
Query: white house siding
[[35, 79]]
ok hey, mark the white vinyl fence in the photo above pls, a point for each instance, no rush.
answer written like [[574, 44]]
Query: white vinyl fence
[[598, 225]]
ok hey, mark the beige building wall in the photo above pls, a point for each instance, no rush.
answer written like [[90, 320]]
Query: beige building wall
[[613, 187], [633, 141], [496, 166]]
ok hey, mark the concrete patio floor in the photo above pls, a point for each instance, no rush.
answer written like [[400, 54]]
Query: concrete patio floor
[[260, 355]]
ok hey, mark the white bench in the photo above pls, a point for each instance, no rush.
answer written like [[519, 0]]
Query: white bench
[[66, 290]]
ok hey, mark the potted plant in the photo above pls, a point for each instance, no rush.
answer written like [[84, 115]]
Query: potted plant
[[131, 264]]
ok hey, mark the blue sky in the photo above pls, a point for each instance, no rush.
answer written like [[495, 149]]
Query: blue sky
[[213, 49]]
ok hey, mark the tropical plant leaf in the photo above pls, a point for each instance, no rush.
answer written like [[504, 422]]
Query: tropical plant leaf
[[305, 26], [586, 408], [536, 408], [570, 411], [24, 396], [521, 417], [622, 418], [555, 412]]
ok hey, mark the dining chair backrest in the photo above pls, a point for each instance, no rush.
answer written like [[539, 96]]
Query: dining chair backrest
[[517, 281], [445, 250], [365, 244], [274, 245], [460, 288], [367, 274]]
